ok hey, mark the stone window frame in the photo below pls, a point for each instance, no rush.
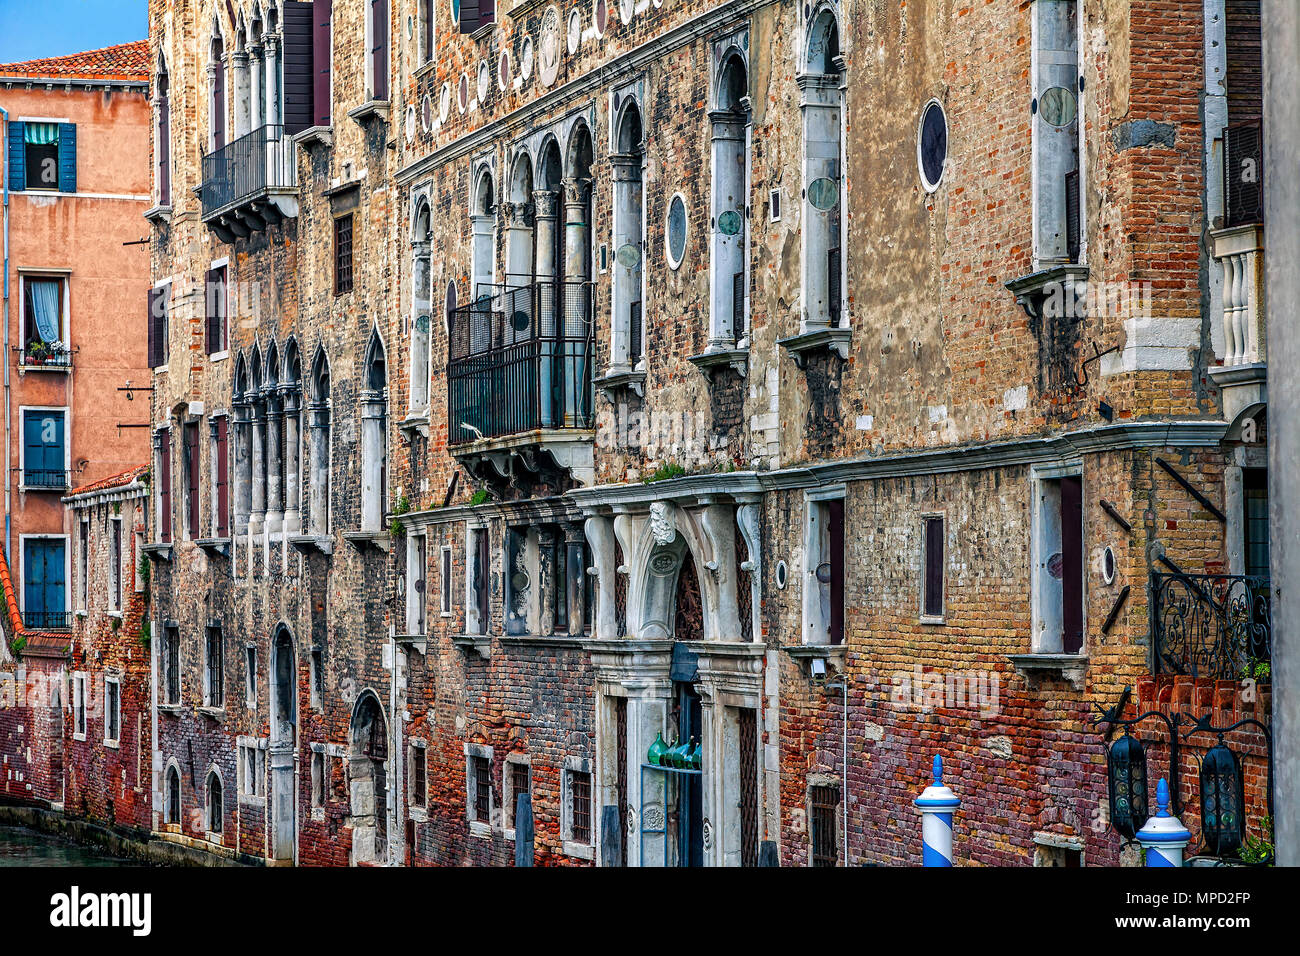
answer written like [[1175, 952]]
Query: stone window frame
[[251, 792], [1037, 476], [66, 412], [813, 499], [320, 783], [417, 601], [675, 264], [172, 826], [316, 677], [472, 616], [80, 704], [116, 571], [83, 566], [419, 810], [1038, 227], [250, 675], [825, 780], [170, 634], [508, 794], [137, 557], [208, 697], [223, 353], [213, 836], [569, 846], [932, 187], [113, 714], [940, 515], [477, 827], [446, 580]]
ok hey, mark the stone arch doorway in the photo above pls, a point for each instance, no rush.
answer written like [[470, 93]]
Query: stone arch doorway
[[368, 779], [284, 720]]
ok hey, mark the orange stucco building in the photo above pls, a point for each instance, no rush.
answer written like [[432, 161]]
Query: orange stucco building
[[76, 146]]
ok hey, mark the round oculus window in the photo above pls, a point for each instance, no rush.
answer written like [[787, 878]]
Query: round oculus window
[[1108, 566], [782, 575], [675, 233], [1057, 106], [575, 31], [600, 16], [823, 193], [932, 145]]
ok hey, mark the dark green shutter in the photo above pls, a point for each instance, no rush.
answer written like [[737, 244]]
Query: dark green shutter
[[17, 156], [67, 157]]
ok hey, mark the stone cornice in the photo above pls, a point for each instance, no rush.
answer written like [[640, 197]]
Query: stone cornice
[[590, 82]]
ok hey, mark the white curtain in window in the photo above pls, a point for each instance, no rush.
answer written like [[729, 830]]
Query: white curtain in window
[[43, 304]]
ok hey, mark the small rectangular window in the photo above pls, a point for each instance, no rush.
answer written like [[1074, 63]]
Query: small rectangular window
[[824, 801], [138, 561], [112, 710], [157, 325], [343, 254], [580, 804], [446, 581], [318, 781], [220, 470], [932, 600], [115, 564], [79, 705], [191, 463], [48, 152], [317, 677], [169, 654], [419, 777], [480, 769], [520, 780], [250, 677], [824, 600], [214, 685], [216, 308], [417, 556], [774, 205], [163, 453], [83, 564]]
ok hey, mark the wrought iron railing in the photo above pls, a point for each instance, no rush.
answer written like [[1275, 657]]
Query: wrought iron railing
[[262, 159], [520, 359], [47, 620], [44, 479], [1210, 625], [40, 355]]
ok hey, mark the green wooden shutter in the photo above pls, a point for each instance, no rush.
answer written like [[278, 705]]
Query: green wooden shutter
[[17, 156], [67, 157]]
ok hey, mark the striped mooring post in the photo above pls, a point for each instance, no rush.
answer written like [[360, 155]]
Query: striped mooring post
[[937, 805], [1163, 836]]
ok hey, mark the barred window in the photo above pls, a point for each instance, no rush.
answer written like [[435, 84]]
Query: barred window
[[580, 796], [419, 777], [481, 769], [214, 688], [343, 254], [824, 800]]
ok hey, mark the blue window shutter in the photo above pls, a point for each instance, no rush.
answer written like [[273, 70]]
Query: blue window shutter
[[17, 156], [43, 454], [67, 157]]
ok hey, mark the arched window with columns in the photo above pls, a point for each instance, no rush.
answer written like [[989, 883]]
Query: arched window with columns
[[628, 163], [319, 446], [821, 101], [421, 308], [729, 275], [291, 409], [242, 422], [483, 226], [575, 347], [374, 436], [257, 444], [216, 89]]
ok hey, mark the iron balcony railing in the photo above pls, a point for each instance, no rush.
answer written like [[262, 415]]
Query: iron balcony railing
[[520, 360], [1211, 625], [43, 479], [47, 620], [40, 355], [257, 161]]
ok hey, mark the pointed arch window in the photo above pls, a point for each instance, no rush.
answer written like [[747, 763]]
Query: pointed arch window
[[421, 310], [163, 165], [318, 482], [821, 94], [374, 451], [628, 163], [729, 216]]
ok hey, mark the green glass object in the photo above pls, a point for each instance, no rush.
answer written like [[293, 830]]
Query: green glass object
[[697, 757], [678, 755], [657, 749]]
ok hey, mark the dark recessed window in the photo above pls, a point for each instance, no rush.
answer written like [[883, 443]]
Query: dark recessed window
[[932, 146], [932, 601], [343, 254]]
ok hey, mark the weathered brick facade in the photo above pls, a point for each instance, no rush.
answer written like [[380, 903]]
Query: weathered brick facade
[[647, 307]]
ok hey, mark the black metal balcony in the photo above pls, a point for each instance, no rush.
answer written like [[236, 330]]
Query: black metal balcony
[[249, 183], [520, 361], [1215, 626], [47, 620], [41, 355], [41, 479]]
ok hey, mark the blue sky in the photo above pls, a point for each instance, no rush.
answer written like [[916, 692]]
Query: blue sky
[[36, 28]]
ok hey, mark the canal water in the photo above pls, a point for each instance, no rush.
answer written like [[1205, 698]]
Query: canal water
[[20, 846]]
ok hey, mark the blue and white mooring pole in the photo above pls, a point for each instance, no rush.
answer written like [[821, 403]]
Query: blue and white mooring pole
[[937, 805], [1163, 837]]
